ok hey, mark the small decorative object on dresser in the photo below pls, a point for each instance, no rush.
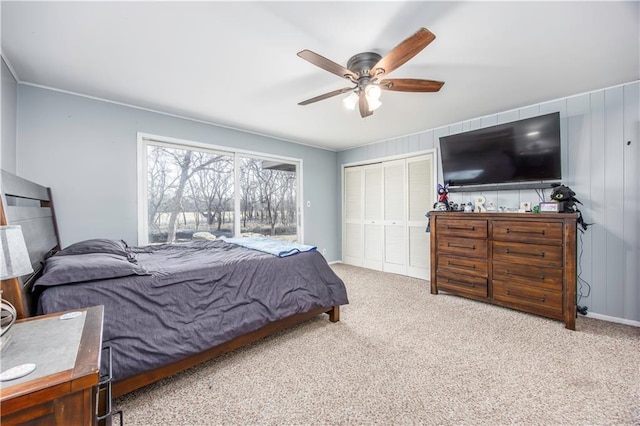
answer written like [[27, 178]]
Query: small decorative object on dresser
[[479, 203], [443, 198], [567, 198], [524, 262]]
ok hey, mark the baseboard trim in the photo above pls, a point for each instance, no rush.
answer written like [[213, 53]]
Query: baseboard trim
[[613, 319], [334, 262]]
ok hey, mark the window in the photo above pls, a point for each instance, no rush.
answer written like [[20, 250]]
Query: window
[[268, 203], [190, 188]]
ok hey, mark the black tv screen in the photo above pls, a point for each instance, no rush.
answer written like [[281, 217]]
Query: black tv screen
[[521, 151]]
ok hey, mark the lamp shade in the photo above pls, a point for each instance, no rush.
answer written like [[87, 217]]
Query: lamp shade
[[14, 257], [351, 101]]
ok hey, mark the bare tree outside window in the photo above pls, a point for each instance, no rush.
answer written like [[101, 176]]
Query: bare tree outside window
[[191, 184], [191, 190], [268, 198]]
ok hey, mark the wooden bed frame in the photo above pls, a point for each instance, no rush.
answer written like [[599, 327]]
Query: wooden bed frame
[[30, 205]]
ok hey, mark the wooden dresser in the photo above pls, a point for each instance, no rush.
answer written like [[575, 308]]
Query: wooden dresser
[[524, 261], [63, 388]]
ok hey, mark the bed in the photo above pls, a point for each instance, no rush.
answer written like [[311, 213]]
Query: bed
[[167, 307]]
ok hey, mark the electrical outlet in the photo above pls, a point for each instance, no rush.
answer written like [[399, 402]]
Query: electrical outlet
[[324, 252]]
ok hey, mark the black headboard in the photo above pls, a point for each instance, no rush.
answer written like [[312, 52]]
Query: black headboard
[[30, 205]]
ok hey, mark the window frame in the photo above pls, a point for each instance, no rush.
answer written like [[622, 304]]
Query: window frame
[[146, 139]]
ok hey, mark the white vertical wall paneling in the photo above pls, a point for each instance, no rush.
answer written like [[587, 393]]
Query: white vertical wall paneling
[[509, 199], [371, 151], [507, 117], [437, 134], [426, 140], [579, 149], [455, 128], [404, 145], [530, 196], [530, 111], [490, 120], [614, 200], [561, 107], [414, 143], [631, 147], [391, 147], [475, 124], [599, 239], [605, 177]]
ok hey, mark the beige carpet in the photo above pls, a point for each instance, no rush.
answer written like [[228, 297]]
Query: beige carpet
[[402, 356]]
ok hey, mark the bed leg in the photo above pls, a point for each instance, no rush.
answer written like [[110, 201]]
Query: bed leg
[[334, 314]]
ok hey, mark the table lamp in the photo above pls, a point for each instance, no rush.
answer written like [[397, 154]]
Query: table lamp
[[14, 262]]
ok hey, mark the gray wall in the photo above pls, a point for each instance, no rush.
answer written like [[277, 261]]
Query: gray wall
[[8, 121], [85, 150], [600, 134]]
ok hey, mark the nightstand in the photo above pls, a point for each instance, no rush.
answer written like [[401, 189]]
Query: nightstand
[[63, 388]]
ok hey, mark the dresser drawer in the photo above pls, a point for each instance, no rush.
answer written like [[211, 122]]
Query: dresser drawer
[[528, 232], [459, 265], [462, 228], [464, 247], [531, 299], [538, 276], [460, 283], [527, 254]]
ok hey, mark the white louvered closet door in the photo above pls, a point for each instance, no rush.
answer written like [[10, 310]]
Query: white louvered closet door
[[373, 217], [421, 196], [395, 252], [352, 248]]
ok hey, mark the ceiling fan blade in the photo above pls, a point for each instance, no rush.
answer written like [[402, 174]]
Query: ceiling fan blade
[[326, 96], [363, 104], [411, 85], [327, 64], [402, 52]]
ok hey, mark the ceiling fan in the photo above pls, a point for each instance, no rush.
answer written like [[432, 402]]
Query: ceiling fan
[[367, 69]]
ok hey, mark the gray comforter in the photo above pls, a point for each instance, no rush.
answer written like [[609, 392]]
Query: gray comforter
[[198, 295]]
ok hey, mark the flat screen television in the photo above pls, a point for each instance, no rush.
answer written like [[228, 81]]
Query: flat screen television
[[512, 153]]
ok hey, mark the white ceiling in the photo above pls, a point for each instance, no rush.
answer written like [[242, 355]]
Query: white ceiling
[[235, 63]]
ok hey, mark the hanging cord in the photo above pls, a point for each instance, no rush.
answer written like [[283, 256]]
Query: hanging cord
[[582, 283], [541, 194]]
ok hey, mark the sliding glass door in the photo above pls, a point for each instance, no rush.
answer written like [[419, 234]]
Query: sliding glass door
[[192, 192]]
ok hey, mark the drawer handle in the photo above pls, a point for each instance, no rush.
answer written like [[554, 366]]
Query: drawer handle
[[508, 251], [473, 247], [449, 263], [523, 275], [535, 299], [461, 283], [517, 231], [465, 228]]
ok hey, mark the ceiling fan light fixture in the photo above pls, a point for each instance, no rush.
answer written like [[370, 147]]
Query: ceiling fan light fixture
[[365, 70], [373, 92], [351, 101]]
